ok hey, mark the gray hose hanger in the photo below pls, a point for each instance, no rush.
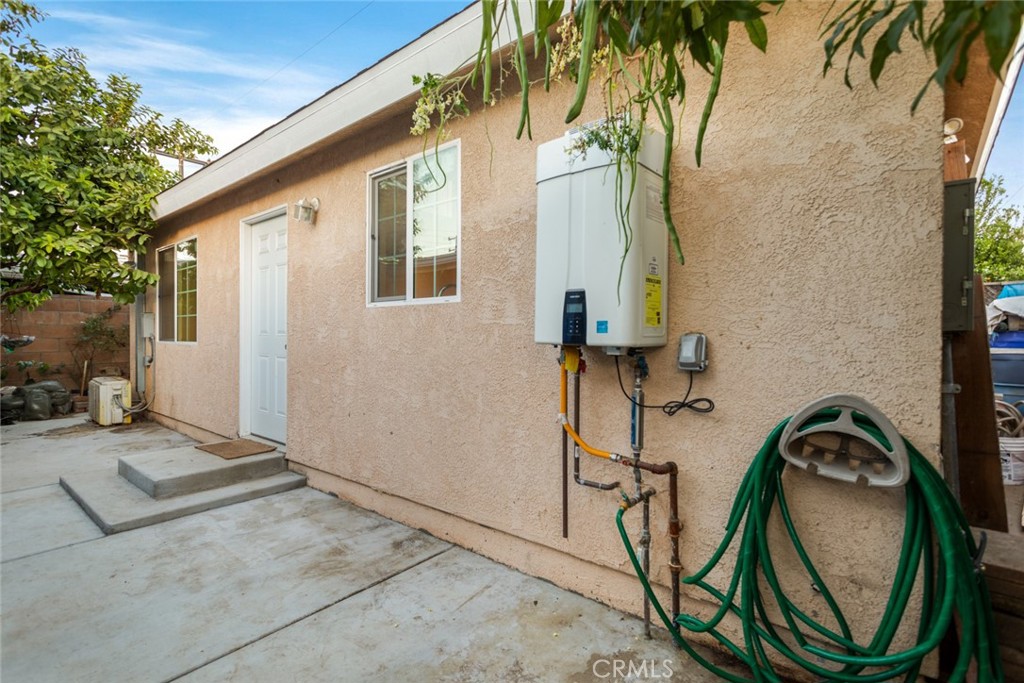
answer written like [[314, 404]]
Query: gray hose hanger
[[828, 437]]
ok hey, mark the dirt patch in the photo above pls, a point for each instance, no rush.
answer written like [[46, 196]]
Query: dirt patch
[[135, 425], [467, 671], [89, 426], [80, 428]]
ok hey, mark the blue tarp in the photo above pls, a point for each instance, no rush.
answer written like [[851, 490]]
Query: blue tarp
[[1014, 289], [1007, 340]]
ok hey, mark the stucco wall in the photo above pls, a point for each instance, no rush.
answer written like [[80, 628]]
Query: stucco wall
[[196, 384], [812, 239]]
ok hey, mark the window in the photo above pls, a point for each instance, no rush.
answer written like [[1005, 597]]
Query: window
[[418, 246], [176, 291]]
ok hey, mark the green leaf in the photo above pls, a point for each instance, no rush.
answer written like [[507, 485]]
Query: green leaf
[[758, 33], [878, 57], [548, 12], [744, 10], [1001, 24], [716, 82], [620, 39], [701, 52], [588, 11], [962, 60], [519, 61], [897, 26]]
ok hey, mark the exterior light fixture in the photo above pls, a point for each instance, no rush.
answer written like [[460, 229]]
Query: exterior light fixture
[[305, 210], [950, 128]]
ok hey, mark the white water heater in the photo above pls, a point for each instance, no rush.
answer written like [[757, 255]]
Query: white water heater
[[580, 298]]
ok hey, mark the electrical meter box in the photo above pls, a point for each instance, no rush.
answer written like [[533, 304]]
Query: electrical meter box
[[958, 256], [581, 239]]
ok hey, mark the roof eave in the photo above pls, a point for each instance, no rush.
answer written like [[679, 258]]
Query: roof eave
[[443, 49]]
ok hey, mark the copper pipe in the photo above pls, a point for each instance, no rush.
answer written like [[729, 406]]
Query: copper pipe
[[672, 471], [645, 544], [673, 532], [576, 451], [668, 468], [565, 484]]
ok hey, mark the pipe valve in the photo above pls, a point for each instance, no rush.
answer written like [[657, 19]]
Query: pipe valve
[[630, 501]]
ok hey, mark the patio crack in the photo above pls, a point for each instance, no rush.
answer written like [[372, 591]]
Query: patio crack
[[291, 623]]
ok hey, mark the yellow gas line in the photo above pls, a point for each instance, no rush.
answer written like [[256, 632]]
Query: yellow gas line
[[572, 356]]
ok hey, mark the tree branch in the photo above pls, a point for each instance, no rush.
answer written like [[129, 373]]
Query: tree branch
[[8, 292]]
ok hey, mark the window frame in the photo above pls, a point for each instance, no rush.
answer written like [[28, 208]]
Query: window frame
[[406, 165], [174, 297]]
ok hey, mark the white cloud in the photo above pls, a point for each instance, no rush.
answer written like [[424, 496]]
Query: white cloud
[[107, 22], [231, 96], [230, 128], [145, 54], [234, 113]]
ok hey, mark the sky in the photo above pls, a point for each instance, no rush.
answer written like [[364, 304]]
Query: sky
[[1007, 159], [232, 69]]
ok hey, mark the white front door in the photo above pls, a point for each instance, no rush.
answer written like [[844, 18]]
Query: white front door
[[269, 329]]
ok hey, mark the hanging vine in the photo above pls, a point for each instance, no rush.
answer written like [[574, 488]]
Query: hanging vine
[[634, 51]]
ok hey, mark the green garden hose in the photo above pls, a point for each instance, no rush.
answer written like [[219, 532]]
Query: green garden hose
[[936, 540]]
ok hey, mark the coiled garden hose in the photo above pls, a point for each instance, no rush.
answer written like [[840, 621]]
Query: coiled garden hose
[[952, 583]]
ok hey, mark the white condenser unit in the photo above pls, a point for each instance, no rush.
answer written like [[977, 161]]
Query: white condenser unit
[[104, 395]]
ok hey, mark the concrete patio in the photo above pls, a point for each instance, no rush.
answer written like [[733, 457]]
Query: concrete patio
[[293, 586]]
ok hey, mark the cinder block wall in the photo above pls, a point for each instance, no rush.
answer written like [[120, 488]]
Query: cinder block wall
[[55, 325]]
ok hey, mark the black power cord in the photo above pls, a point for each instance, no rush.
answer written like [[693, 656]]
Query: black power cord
[[697, 405]]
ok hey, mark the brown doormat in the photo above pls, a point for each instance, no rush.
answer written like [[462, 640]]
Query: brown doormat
[[236, 448]]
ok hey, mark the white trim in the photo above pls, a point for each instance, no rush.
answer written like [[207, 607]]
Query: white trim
[[414, 302], [369, 238], [407, 165], [245, 227], [159, 330], [371, 179]]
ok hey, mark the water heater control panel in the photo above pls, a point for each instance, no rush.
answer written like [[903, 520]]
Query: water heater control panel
[[574, 318]]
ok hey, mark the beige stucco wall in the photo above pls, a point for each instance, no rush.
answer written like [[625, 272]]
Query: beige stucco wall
[[812, 239], [196, 384]]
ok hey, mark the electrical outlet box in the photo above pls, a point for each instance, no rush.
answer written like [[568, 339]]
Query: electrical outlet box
[[693, 352]]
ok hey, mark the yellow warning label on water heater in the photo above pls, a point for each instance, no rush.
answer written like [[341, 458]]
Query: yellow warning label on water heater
[[652, 301]]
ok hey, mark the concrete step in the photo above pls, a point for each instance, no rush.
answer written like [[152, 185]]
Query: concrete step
[[181, 471], [116, 505]]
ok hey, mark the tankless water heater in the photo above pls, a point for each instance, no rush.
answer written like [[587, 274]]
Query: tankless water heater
[[580, 298]]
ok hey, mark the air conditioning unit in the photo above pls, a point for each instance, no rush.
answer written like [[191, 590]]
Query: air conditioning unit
[[108, 398]]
